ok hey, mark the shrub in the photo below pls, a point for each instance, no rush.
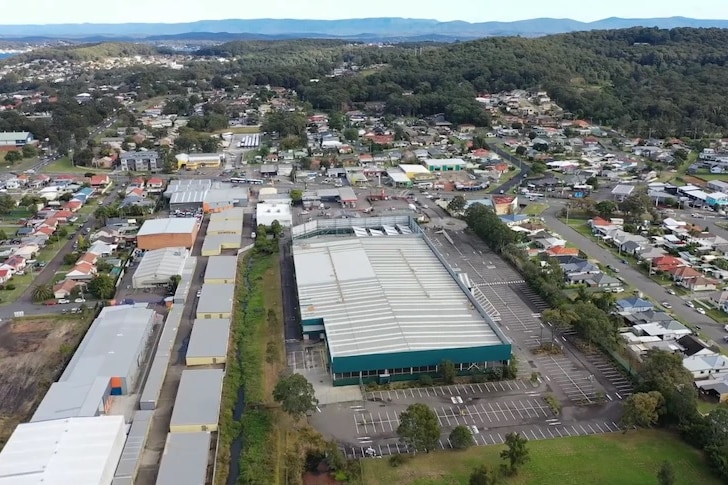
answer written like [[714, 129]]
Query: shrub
[[426, 380]]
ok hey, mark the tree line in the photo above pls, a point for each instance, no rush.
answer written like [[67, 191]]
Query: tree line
[[665, 392]]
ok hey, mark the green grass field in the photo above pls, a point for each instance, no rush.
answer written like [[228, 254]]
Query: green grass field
[[240, 130], [625, 459], [20, 166], [535, 209], [64, 165]]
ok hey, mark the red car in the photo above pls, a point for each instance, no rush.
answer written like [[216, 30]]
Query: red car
[[51, 302]]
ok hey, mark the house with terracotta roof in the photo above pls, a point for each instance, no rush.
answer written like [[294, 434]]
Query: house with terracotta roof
[[365, 158], [562, 251], [155, 185], [63, 215], [44, 230], [64, 289], [82, 271], [89, 258], [699, 283], [683, 273], [4, 276], [73, 205], [100, 180], [667, 263]]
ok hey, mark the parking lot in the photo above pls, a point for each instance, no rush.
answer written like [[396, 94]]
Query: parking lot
[[552, 428], [621, 386], [576, 382], [483, 388]]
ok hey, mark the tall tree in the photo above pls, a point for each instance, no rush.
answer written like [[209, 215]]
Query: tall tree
[[448, 371], [419, 427], [461, 437], [295, 395], [516, 454], [643, 409]]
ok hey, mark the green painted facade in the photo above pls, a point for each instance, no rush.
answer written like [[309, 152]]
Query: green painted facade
[[403, 360]]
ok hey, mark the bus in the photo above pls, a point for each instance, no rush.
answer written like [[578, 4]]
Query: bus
[[240, 180]]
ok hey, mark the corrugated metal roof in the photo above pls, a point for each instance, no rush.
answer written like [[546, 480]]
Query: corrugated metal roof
[[230, 226], [216, 298], [216, 241], [134, 446], [234, 214], [209, 338], [184, 460], [221, 267], [158, 265], [63, 451], [384, 295], [198, 398], [171, 225], [188, 197]]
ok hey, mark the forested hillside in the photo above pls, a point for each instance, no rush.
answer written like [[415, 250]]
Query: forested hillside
[[667, 81]]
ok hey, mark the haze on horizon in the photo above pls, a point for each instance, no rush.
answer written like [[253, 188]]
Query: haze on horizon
[[170, 11]]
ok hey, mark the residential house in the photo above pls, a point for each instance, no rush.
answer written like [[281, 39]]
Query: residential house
[[82, 271], [700, 283], [683, 273], [631, 247], [100, 181], [666, 330], [692, 345], [706, 366], [155, 185], [715, 388], [5, 275], [633, 304], [562, 251], [64, 289], [579, 268], [14, 263]]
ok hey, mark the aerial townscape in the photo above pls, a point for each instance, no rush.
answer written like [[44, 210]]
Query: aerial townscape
[[369, 251]]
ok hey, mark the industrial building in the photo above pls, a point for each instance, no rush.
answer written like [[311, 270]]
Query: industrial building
[[208, 342], [444, 164], [197, 406], [267, 212], [229, 221], [63, 451], [216, 301], [131, 455], [214, 245], [185, 459], [389, 305], [173, 232], [221, 270], [158, 266], [107, 363], [204, 194], [193, 161]]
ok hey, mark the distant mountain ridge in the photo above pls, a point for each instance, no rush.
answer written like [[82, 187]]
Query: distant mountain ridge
[[354, 29]]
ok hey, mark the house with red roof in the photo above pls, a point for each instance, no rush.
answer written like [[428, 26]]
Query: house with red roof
[[64, 177], [64, 289], [100, 180], [73, 205], [63, 215], [82, 271], [89, 258], [44, 230], [365, 158], [667, 263], [700, 283], [683, 273], [155, 185], [4, 276], [562, 251]]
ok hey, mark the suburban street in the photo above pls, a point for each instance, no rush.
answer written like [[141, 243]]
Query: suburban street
[[632, 276]]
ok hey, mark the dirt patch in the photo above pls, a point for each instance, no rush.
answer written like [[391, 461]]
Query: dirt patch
[[311, 478], [694, 180], [32, 354]]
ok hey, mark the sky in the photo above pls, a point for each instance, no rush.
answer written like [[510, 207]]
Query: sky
[[174, 11]]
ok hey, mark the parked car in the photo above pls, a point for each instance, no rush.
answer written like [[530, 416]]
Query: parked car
[[199, 293], [63, 301], [690, 304], [51, 302], [79, 300], [666, 305], [700, 310], [670, 291]]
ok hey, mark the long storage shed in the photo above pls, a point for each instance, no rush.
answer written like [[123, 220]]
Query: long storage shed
[[208, 342], [197, 406]]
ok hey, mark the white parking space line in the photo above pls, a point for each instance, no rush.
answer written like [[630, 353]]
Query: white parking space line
[[599, 427], [480, 388], [445, 416], [356, 424], [541, 431], [534, 435], [592, 429]]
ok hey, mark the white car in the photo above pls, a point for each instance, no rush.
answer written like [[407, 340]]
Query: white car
[[690, 304], [64, 302], [700, 310], [670, 292], [79, 300], [199, 293], [666, 305]]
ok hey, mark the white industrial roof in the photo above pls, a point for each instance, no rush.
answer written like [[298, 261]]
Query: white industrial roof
[[234, 214], [63, 452], [384, 295], [161, 264], [209, 338], [216, 298], [221, 267], [184, 460], [398, 176], [189, 197], [411, 168], [198, 398], [172, 225], [622, 189]]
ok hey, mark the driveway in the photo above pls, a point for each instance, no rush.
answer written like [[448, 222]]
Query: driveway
[[634, 277]]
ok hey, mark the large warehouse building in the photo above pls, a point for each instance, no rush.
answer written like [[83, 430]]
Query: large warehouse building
[[184, 460], [177, 232], [390, 307], [107, 363], [221, 270], [197, 406], [216, 301], [158, 266], [63, 451], [208, 342]]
